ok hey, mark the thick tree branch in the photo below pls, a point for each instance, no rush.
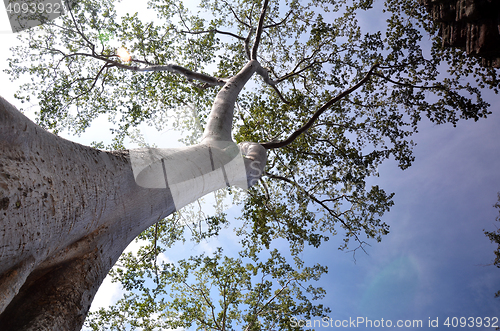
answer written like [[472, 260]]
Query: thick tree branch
[[260, 28], [173, 68], [104, 200], [220, 121], [317, 114], [215, 31], [247, 43], [264, 73]]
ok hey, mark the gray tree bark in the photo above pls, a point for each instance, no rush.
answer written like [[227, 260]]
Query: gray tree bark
[[472, 25], [68, 211]]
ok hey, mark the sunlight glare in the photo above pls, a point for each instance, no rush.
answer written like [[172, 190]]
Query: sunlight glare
[[123, 54]]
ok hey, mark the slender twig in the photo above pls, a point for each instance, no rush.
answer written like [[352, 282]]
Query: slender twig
[[207, 300], [280, 95], [278, 24], [92, 46], [155, 253], [297, 73], [268, 302], [408, 84], [266, 190], [322, 204], [225, 304], [317, 114], [294, 72], [249, 16], [275, 296], [89, 89], [236, 15], [179, 11]]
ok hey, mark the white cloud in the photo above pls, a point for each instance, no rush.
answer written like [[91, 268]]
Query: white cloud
[[110, 292], [107, 294]]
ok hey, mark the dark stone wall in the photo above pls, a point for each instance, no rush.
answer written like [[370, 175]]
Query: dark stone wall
[[472, 25]]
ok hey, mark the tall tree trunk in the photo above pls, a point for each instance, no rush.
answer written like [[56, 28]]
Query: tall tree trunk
[[68, 211]]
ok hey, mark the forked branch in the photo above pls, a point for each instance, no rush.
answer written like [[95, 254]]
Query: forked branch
[[317, 114], [235, 14], [264, 73], [279, 23]]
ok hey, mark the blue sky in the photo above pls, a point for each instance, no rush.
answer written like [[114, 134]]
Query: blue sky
[[434, 262]]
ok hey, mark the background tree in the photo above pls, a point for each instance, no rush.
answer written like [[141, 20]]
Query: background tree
[[471, 26], [331, 101], [494, 237]]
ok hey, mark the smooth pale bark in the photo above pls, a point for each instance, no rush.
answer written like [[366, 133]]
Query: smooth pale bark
[[219, 124], [68, 211]]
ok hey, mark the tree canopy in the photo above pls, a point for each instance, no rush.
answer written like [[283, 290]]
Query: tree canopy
[[334, 98]]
